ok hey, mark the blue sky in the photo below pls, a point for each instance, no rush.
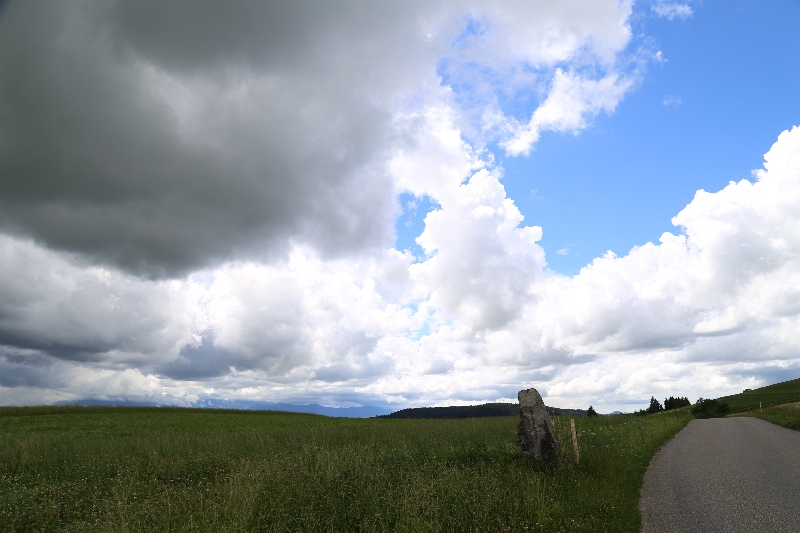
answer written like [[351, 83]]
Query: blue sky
[[214, 204], [729, 80]]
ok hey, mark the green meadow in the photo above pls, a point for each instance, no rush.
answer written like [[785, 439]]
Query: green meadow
[[159, 469], [786, 415]]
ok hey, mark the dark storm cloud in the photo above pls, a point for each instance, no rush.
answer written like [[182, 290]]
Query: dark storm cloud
[[167, 136], [28, 371]]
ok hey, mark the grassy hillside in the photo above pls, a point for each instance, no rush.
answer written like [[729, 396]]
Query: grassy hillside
[[134, 469], [785, 392]]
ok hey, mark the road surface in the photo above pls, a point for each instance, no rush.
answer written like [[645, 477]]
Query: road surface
[[726, 475]]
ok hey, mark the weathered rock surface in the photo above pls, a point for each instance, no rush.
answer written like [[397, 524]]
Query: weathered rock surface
[[537, 438]]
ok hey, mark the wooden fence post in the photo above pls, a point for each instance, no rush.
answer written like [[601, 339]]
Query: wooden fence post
[[759, 407], [664, 418], [574, 440], [641, 432]]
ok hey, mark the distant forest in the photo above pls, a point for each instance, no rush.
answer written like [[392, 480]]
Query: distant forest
[[474, 411]]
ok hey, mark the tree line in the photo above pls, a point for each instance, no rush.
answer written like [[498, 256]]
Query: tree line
[[703, 408], [669, 404]]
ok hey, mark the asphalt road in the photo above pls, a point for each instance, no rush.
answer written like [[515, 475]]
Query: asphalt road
[[725, 475]]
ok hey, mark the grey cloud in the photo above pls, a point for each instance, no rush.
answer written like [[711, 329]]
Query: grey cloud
[[350, 370], [767, 374], [56, 304], [439, 366], [197, 362], [754, 343], [16, 371], [167, 136]]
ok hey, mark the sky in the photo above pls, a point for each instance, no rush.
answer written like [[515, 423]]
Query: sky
[[398, 204]]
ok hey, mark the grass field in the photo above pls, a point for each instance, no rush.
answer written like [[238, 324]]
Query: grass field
[[154, 469], [786, 415], [788, 391]]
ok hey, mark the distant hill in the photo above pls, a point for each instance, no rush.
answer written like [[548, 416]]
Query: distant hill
[[784, 392], [92, 402], [474, 411], [313, 408], [460, 411], [567, 412], [342, 412]]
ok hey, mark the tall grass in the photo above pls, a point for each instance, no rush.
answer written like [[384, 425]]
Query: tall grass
[[136, 469], [786, 415]]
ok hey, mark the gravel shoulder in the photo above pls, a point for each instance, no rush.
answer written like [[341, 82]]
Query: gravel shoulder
[[724, 475]]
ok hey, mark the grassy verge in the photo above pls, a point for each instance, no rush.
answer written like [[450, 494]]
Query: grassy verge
[[786, 415], [130, 469]]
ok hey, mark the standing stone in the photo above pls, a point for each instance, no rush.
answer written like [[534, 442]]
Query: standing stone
[[537, 438]]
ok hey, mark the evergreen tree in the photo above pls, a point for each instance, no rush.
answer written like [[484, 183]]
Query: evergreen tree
[[591, 412], [654, 406], [675, 403]]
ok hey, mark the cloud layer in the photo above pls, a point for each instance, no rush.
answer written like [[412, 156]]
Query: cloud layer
[[201, 203], [162, 138]]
